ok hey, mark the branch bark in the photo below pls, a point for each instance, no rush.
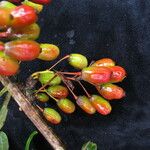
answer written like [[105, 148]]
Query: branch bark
[[32, 114]]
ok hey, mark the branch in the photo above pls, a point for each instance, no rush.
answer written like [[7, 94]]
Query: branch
[[32, 114]]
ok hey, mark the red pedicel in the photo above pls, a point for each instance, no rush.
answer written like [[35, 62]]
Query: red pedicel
[[96, 75], [8, 65], [22, 16], [111, 91], [23, 50], [42, 1], [118, 74]]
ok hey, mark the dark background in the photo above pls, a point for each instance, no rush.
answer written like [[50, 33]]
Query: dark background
[[119, 29]]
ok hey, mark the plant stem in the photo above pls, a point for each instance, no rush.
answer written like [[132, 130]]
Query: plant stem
[[67, 56], [71, 73], [3, 91], [32, 114], [51, 96]]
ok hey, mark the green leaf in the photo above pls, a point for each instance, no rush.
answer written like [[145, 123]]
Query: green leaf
[[89, 146], [4, 110], [4, 145], [28, 142]]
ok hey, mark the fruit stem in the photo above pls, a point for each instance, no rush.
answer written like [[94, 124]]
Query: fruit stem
[[39, 108], [65, 57], [3, 91], [71, 73], [51, 96], [64, 81]]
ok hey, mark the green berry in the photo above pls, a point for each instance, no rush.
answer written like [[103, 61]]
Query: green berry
[[78, 61], [52, 115], [66, 105], [6, 4], [42, 97], [46, 76]]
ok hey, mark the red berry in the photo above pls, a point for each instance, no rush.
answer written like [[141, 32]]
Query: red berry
[[8, 65], [58, 91], [101, 105], [104, 62], [1, 46], [23, 50], [42, 1], [84, 103], [22, 16], [118, 74], [111, 91], [96, 75]]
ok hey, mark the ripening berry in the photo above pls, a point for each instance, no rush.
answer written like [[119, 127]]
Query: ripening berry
[[5, 18], [58, 91], [118, 74], [6, 4], [52, 115], [100, 104], [42, 97], [42, 1], [111, 91], [46, 76], [104, 62], [66, 105], [22, 16], [85, 104], [96, 75], [30, 32], [78, 61], [8, 65], [48, 52], [23, 50], [1, 46]]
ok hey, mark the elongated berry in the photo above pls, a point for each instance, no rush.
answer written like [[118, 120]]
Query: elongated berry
[[85, 104], [52, 115], [111, 91], [8, 65], [100, 104], [58, 91], [78, 61], [118, 74], [42, 1], [23, 50], [30, 32], [48, 52], [42, 97], [22, 16], [96, 75], [6, 4], [46, 76], [1, 46], [66, 105], [104, 62]]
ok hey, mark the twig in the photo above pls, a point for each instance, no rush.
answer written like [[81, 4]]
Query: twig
[[32, 114]]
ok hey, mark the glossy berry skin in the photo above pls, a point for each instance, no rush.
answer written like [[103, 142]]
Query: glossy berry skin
[[104, 62], [100, 104], [58, 91], [52, 115], [46, 76], [111, 91], [23, 50], [42, 1], [22, 16], [48, 52], [66, 105], [118, 74], [30, 32], [96, 75], [1, 46], [5, 18], [78, 61], [6, 4], [8, 65], [42, 97], [84, 103]]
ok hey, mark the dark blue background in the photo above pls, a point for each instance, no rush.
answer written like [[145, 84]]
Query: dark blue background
[[119, 29]]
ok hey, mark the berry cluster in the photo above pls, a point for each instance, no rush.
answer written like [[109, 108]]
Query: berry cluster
[[18, 31], [102, 74]]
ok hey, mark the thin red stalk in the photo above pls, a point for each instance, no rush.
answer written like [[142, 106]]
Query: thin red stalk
[[71, 73], [51, 96], [39, 108]]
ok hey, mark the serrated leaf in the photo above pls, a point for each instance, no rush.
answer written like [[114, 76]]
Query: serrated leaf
[[4, 145], [89, 146], [4, 110], [27, 146]]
